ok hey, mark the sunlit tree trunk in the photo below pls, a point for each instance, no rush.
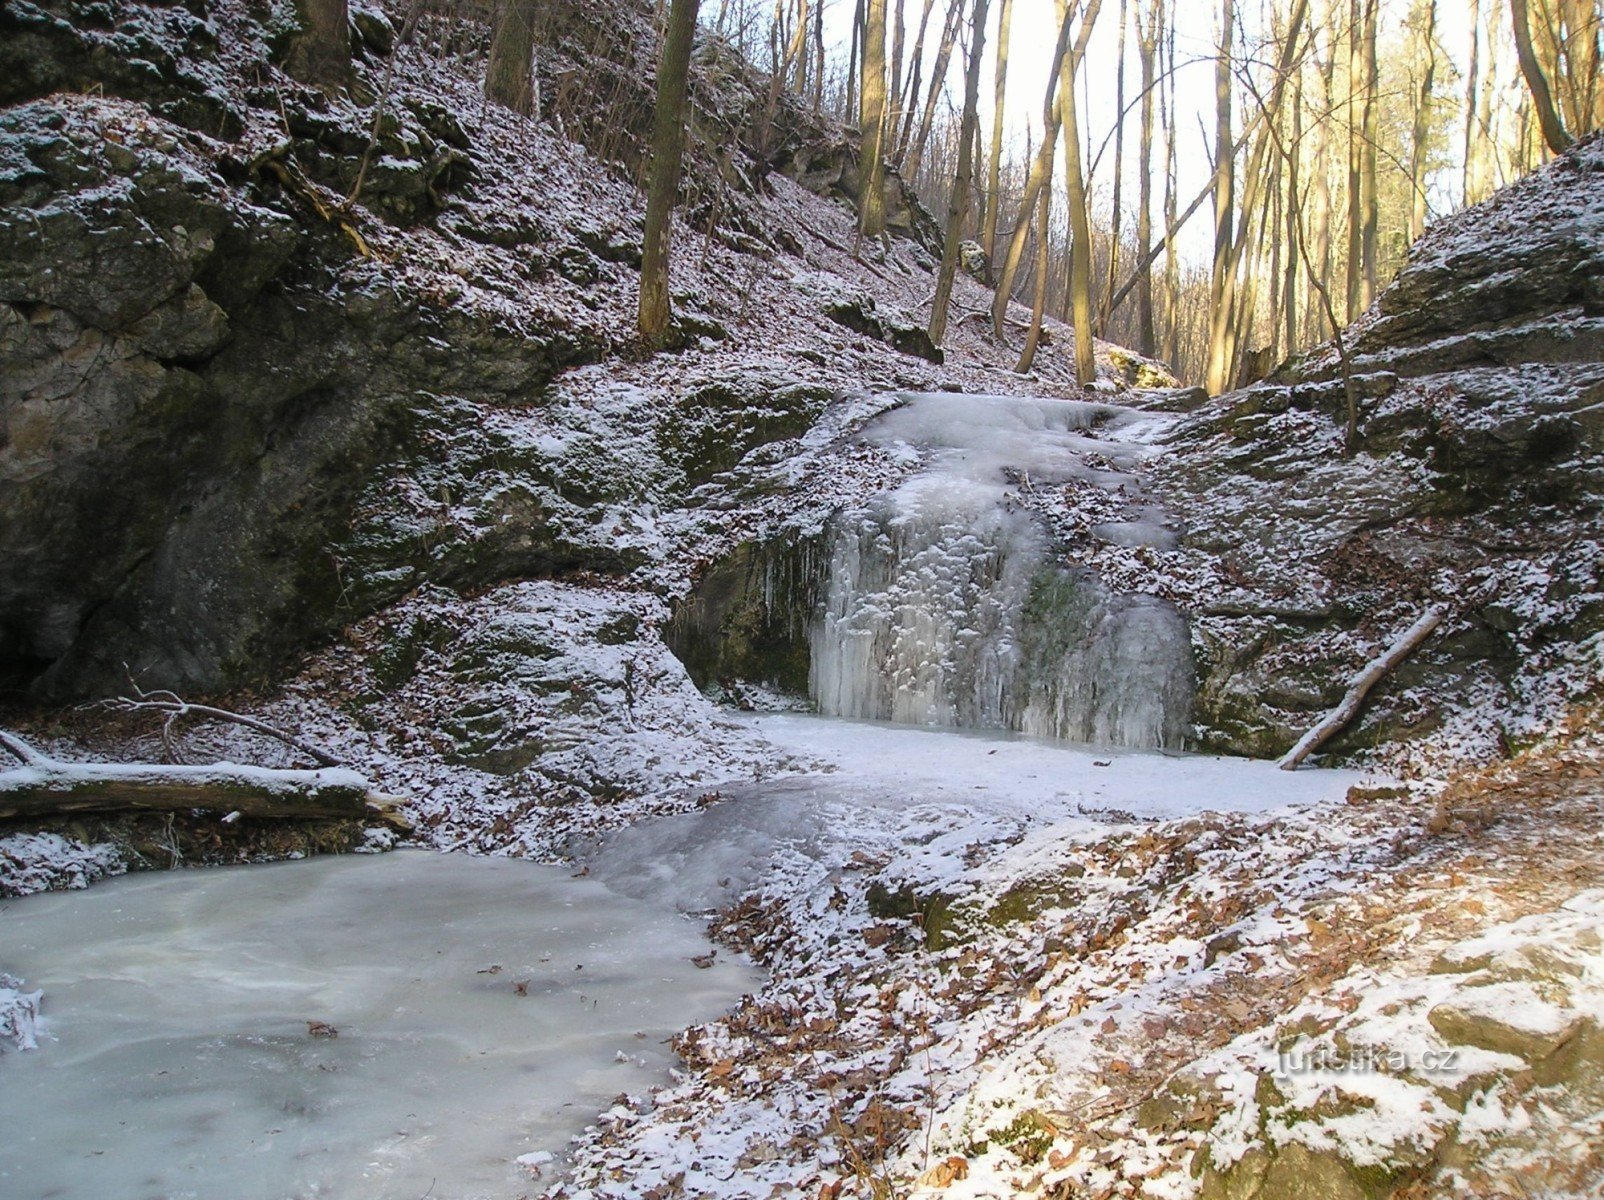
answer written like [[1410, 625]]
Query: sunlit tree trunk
[[1172, 271], [668, 149], [1116, 218], [994, 166], [963, 182], [1426, 31], [1369, 194], [1080, 225], [1536, 82], [1039, 177], [904, 105], [872, 122], [921, 134], [1472, 73], [1147, 51], [1222, 289]]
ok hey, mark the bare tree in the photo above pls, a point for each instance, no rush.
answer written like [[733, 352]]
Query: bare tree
[[994, 166], [1221, 297], [872, 123], [1536, 82], [668, 150], [963, 181], [509, 78], [320, 53]]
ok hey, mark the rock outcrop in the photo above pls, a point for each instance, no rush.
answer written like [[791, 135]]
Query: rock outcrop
[[1479, 481], [256, 341]]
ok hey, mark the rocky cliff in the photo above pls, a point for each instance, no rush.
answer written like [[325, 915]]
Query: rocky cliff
[[258, 342], [1477, 483]]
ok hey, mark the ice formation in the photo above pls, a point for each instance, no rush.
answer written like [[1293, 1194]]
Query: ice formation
[[943, 605]]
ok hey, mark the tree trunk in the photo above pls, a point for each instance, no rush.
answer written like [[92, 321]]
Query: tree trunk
[[1222, 288], [1040, 176], [1421, 133], [958, 204], [1356, 216], [509, 79], [668, 149], [1080, 226], [872, 123], [320, 54], [1147, 52], [1467, 186], [1117, 217], [1542, 99], [1370, 184], [1038, 307], [41, 786], [949, 38], [905, 102], [994, 167]]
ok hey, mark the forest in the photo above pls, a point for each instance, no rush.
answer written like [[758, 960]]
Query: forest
[[849, 599]]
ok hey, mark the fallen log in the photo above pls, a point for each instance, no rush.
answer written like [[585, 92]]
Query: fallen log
[[1338, 718], [41, 786]]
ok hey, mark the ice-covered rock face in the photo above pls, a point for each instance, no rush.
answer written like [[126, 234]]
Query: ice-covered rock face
[[943, 604]]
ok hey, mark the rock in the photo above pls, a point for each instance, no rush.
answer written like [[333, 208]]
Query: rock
[[1293, 1172], [860, 314], [1507, 1018]]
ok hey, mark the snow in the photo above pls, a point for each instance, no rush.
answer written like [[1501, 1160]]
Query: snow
[[38, 862], [19, 1015]]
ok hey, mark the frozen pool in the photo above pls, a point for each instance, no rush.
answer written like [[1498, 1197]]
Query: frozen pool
[[179, 1061]]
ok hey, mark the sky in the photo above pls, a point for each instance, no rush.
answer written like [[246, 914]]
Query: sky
[[1032, 42]]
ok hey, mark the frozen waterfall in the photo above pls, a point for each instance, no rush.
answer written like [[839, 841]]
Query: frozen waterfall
[[943, 604]]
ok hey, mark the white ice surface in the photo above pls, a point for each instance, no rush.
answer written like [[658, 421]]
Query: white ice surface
[[1044, 777], [175, 1058], [919, 797]]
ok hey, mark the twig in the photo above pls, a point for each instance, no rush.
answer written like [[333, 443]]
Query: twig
[[176, 708]]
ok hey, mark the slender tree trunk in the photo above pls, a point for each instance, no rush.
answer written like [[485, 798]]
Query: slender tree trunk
[[999, 89], [899, 32], [1080, 226], [1222, 289], [905, 104], [1039, 176], [1356, 215], [1168, 114], [818, 56], [949, 38], [854, 57], [1289, 284], [872, 122], [962, 184], [1472, 71], [1536, 83], [320, 54], [1147, 51], [1038, 308], [1369, 184], [1116, 218], [1421, 133], [668, 149]]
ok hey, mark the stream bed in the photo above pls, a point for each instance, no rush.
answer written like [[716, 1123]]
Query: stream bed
[[179, 1059]]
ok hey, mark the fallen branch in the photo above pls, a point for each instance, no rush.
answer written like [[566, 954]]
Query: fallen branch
[[174, 708], [1337, 719], [43, 786]]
